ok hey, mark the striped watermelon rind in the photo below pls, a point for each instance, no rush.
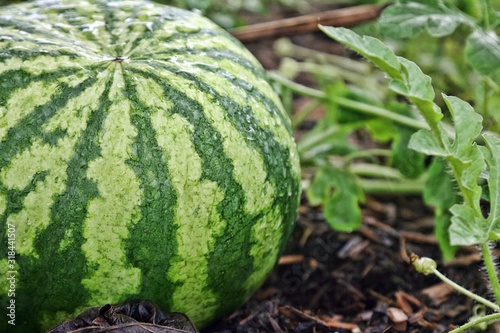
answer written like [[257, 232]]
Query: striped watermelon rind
[[143, 155]]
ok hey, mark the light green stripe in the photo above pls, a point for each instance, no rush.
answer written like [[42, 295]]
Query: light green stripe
[[22, 102], [196, 218], [40, 157], [35, 215], [3, 203], [117, 208], [240, 72], [248, 166]]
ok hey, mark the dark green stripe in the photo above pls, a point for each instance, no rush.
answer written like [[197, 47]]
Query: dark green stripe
[[278, 165], [152, 241]]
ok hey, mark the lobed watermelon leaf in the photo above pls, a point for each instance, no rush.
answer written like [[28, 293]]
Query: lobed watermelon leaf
[[482, 52], [371, 48], [340, 195], [408, 18]]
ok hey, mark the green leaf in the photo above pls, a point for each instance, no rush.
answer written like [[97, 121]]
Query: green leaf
[[320, 188], [493, 162], [425, 142], [371, 48], [466, 160], [409, 162], [417, 87], [407, 19], [440, 192], [339, 193], [467, 123], [482, 52], [342, 209], [442, 223], [467, 228]]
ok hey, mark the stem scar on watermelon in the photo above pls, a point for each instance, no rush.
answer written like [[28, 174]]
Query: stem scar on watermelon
[[143, 155], [119, 59]]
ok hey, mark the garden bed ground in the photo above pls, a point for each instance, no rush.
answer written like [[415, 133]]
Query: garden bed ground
[[361, 281]]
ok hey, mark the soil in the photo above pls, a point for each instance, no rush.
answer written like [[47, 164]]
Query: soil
[[361, 281]]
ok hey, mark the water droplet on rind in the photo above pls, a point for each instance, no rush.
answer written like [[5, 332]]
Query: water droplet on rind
[[187, 28], [247, 86], [227, 75]]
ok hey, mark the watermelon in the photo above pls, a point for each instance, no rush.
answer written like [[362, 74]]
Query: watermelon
[[143, 155]]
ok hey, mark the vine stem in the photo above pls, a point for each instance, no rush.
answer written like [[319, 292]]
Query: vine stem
[[490, 269], [466, 292], [358, 106], [486, 4], [376, 186], [472, 323]]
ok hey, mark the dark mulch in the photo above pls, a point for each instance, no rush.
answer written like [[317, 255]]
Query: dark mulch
[[361, 281]]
